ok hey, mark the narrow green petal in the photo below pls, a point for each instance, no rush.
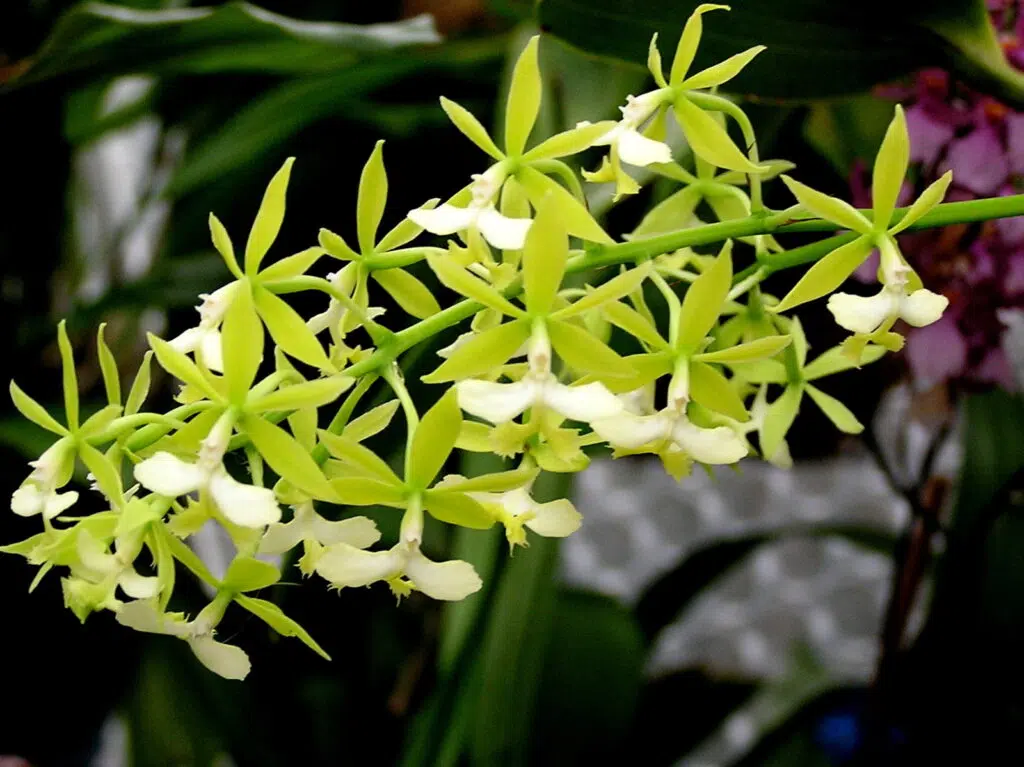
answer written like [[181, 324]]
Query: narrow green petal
[[585, 354], [711, 389], [461, 281], [222, 242], [762, 348], [35, 412], [69, 375], [574, 215], [242, 342], [544, 257], [613, 290], [434, 440], [780, 416], [929, 198], [411, 294], [288, 329], [704, 300], [569, 142], [654, 65], [836, 411], [482, 353], [288, 458], [293, 266]]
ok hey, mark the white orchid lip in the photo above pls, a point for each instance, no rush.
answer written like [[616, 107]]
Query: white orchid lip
[[715, 446], [501, 402], [866, 314]]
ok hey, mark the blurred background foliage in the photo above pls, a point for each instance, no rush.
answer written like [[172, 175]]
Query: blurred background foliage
[[124, 125]]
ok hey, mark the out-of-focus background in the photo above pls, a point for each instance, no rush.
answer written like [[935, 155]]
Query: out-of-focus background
[[864, 607]]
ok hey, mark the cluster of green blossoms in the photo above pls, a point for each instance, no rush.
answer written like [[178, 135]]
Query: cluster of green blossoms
[[533, 372]]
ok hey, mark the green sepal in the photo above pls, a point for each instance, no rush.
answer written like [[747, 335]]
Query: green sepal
[[524, 95], [836, 411], [35, 412], [780, 416], [686, 49], [288, 458], [182, 368], [108, 367], [250, 574], [105, 473], [295, 265], [371, 422], [711, 389], [457, 508], [350, 452], [837, 211], [929, 198], [409, 293], [544, 257], [274, 617], [499, 482], [433, 440], [569, 142], [704, 300], [309, 394], [890, 169], [584, 353], [721, 72], [614, 289], [268, 220], [482, 353], [470, 127], [336, 246], [709, 140], [827, 274], [758, 349], [366, 491], [373, 196], [222, 243], [288, 329], [70, 377], [462, 282], [140, 386], [572, 213], [835, 360]]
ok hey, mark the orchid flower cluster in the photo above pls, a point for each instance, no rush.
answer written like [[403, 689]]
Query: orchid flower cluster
[[715, 372]]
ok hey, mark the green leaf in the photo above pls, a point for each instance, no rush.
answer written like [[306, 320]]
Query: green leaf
[[373, 196], [827, 274], [181, 367], [814, 49], [584, 353], [569, 142], [408, 292], [371, 422], [634, 323], [364, 491], [96, 40], [309, 394], [481, 353], [35, 412], [108, 367], [524, 95], [929, 198], [349, 451], [544, 257], [470, 127], [287, 457], [835, 360], [614, 289], [250, 574], [574, 216], [434, 440], [831, 209], [780, 416], [461, 281], [890, 169], [760, 348], [293, 266], [713, 390], [709, 140], [222, 243], [140, 386], [722, 72], [242, 342], [288, 329], [836, 411], [704, 300], [457, 509], [268, 219], [70, 377], [689, 40], [274, 617]]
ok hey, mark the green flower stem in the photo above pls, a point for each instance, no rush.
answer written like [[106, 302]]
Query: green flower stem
[[393, 375], [398, 258]]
